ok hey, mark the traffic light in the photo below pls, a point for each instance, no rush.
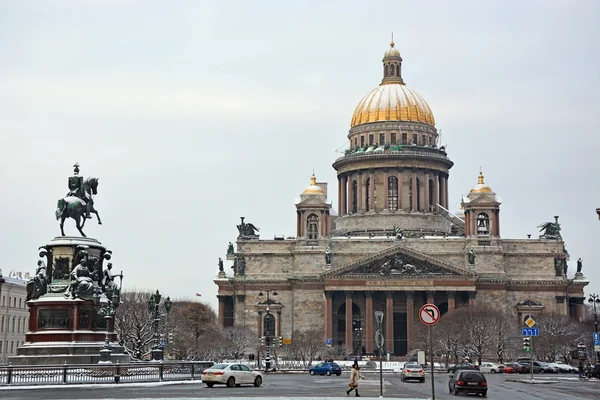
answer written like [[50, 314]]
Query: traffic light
[[527, 343], [262, 340], [170, 338], [279, 341]]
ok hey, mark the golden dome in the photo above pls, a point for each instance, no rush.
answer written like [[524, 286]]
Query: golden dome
[[313, 188], [481, 187], [392, 100]]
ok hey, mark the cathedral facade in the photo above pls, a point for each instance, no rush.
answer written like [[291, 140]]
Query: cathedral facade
[[392, 245]]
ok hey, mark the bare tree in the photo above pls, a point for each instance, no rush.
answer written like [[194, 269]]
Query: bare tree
[[559, 334], [133, 324], [238, 341], [192, 325], [307, 345]]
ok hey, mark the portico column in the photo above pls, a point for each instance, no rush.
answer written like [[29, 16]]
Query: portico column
[[221, 310], [472, 299], [436, 191], [414, 206], [389, 325], [369, 321], [349, 321], [467, 231], [298, 224], [302, 224], [426, 190], [386, 190], [322, 223], [344, 206], [328, 314], [451, 301], [430, 297], [372, 190], [410, 311]]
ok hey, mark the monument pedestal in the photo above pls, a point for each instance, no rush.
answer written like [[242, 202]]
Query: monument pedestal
[[66, 329]]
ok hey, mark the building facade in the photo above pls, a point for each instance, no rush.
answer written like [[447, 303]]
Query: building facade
[[14, 316], [392, 245]]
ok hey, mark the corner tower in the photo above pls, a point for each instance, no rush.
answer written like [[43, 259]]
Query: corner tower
[[313, 211], [393, 173], [482, 212]]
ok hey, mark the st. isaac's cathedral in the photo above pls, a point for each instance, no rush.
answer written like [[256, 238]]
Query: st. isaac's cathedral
[[392, 245]]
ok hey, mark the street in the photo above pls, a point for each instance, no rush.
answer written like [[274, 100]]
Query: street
[[565, 387]]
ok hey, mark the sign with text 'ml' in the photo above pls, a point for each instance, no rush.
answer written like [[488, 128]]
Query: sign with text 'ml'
[[429, 314]]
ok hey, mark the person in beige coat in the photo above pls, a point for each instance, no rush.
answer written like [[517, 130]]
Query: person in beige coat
[[354, 377]]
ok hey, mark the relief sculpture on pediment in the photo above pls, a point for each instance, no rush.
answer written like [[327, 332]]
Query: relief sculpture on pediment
[[400, 265]]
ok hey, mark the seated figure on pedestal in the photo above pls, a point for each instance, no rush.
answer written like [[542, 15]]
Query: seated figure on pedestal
[[82, 282]]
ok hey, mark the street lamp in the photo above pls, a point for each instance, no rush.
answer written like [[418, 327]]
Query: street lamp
[[153, 307], [267, 331], [357, 324], [595, 299], [379, 340], [108, 311]]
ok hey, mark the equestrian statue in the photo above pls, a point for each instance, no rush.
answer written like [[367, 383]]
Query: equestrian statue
[[78, 202]]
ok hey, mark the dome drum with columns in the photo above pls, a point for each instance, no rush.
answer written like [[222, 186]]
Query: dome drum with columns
[[394, 166], [345, 264]]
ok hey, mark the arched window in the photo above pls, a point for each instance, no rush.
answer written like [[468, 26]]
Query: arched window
[[397, 70], [312, 226], [430, 205], [269, 325], [367, 191], [483, 224], [354, 196], [392, 67], [385, 70], [392, 193]]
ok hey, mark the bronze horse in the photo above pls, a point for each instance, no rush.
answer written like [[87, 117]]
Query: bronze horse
[[76, 208]]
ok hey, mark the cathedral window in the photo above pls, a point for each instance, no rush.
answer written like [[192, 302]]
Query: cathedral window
[[355, 142], [392, 193], [367, 191], [269, 325], [362, 141], [415, 138], [404, 138], [312, 230], [354, 196], [392, 67], [483, 224], [385, 70], [431, 199], [397, 70], [393, 138], [371, 139], [381, 139], [423, 140]]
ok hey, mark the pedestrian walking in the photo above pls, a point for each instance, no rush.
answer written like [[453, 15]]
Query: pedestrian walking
[[354, 377], [580, 369]]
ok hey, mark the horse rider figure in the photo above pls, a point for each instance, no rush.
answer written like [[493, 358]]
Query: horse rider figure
[[76, 189]]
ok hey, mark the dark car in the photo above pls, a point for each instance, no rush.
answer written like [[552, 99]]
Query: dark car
[[462, 365], [467, 381], [325, 368]]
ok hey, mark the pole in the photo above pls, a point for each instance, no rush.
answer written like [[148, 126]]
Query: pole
[[431, 358], [595, 298], [380, 371], [531, 359]]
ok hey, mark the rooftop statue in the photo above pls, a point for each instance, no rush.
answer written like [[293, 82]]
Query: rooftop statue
[[247, 230], [78, 202], [551, 230]]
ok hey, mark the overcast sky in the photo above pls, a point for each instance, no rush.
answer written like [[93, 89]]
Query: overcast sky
[[194, 113]]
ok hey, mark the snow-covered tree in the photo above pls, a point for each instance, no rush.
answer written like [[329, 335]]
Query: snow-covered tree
[[307, 345], [559, 335], [133, 324]]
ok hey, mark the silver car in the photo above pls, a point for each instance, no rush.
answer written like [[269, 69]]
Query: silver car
[[412, 371], [231, 374]]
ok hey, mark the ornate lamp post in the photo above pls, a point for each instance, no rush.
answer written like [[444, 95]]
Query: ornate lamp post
[[595, 299], [153, 305], [108, 311], [267, 332], [357, 324]]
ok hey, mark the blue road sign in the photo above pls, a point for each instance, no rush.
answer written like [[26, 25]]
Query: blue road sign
[[530, 331], [328, 341], [163, 342], [596, 336]]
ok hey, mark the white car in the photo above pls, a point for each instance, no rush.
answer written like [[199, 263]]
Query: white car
[[491, 368], [412, 371], [231, 374]]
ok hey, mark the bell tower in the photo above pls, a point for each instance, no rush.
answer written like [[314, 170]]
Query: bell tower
[[313, 211], [482, 212]]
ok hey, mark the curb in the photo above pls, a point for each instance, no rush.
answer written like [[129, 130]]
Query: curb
[[533, 382]]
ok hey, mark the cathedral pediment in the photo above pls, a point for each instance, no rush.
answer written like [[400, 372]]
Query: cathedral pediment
[[400, 262]]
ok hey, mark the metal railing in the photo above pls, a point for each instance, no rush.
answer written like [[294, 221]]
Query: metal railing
[[101, 373]]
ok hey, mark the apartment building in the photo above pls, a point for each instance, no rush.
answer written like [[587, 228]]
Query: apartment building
[[14, 315]]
